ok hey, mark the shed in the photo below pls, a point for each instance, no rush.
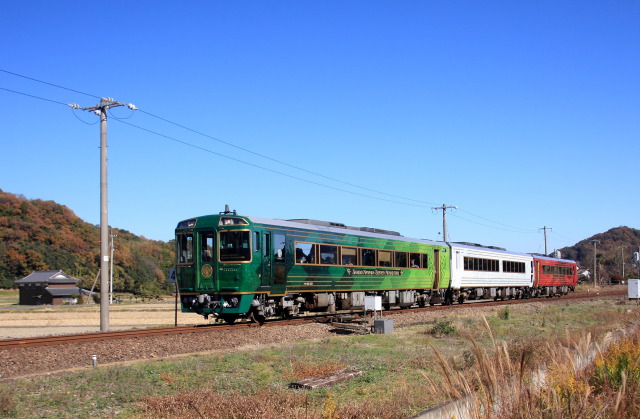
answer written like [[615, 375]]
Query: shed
[[48, 287]]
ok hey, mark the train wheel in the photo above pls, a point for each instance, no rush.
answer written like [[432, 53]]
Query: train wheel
[[257, 318], [229, 318]]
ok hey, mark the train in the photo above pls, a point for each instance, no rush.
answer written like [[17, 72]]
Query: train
[[232, 267]]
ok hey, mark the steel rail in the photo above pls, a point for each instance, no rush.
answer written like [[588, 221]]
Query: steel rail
[[18, 343]]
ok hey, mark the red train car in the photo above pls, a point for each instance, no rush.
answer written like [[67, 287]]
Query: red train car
[[554, 276]]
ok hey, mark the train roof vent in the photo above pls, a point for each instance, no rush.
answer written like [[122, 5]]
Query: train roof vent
[[380, 231], [497, 248], [480, 245], [469, 244], [318, 222]]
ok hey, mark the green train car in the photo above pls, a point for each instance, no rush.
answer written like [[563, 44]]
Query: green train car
[[233, 266]]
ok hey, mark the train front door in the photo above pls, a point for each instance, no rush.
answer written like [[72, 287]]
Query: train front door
[[436, 269], [267, 260]]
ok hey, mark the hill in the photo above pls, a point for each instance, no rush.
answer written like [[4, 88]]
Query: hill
[[44, 235], [612, 248]]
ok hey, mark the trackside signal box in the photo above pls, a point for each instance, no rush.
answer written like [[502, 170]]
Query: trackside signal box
[[633, 288]]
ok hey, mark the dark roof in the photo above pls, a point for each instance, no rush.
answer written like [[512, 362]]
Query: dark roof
[[63, 292], [50, 277]]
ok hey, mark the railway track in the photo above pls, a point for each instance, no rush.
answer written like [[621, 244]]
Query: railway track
[[8, 344]]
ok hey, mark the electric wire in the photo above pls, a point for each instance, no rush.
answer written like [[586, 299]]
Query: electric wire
[[511, 228], [266, 168], [47, 83], [282, 162], [230, 144], [490, 226], [33, 96], [120, 119]]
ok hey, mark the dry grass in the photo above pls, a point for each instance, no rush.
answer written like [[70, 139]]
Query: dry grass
[[571, 385]]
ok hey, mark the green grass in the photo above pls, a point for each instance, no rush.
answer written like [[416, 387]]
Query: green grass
[[392, 384]]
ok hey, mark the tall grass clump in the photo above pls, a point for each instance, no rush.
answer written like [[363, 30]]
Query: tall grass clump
[[574, 382], [621, 362]]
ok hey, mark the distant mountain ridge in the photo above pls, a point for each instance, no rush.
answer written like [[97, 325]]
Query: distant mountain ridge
[[611, 249], [43, 235]]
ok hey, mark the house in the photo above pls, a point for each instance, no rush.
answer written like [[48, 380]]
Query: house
[[49, 287]]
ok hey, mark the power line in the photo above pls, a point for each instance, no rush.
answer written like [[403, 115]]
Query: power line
[[49, 84], [510, 228], [490, 226], [230, 144], [282, 162], [265, 168], [33, 96]]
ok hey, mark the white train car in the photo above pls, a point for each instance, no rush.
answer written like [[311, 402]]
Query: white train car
[[479, 272]]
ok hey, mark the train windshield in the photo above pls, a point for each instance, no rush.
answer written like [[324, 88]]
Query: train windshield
[[185, 248], [235, 246]]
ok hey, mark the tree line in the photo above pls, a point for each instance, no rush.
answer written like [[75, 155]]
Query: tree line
[[37, 235]]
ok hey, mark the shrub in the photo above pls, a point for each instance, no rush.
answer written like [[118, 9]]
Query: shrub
[[504, 313], [443, 328]]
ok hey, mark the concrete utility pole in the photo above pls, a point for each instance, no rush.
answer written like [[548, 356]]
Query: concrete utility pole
[[444, 218], [595, 242], [622, 254], [545, 228], [101, 110]]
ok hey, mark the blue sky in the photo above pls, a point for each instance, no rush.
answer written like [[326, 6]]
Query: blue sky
[[521, 114]]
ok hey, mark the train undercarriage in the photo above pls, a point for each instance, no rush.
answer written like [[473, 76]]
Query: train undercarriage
[[262, 306]]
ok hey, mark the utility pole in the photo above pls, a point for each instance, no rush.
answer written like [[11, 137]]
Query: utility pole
[[444, 218], [622, 254], [101, 111], [595, 243], [546, 253]]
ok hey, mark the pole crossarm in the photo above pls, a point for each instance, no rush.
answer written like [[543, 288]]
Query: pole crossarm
[[444, 208], [545, 228], [105, 103]]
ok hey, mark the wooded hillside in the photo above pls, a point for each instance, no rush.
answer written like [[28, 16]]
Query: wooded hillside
[[43, 235], [612, 248]]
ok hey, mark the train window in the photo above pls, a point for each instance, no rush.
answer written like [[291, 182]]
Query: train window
[[328, 254], [279, 241], [266, 245], [401, 259], [425, 261], [414, 260], [368, 257], [234, 246], [478, 264], [185, 248], [349, 256], [227, 221], [256, 241], [206, 241], [513, 267], [384, 258], [305, 253]]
